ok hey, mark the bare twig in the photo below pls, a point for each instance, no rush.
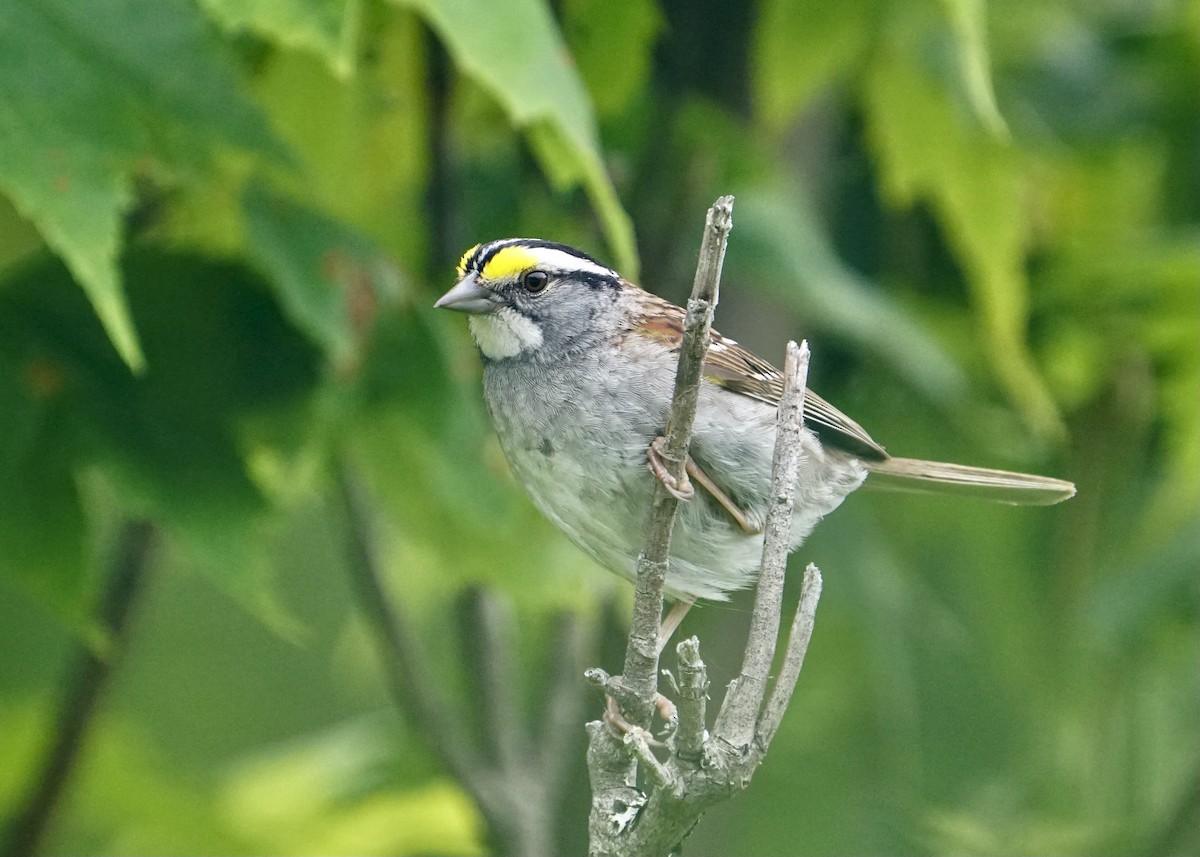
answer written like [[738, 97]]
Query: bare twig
[[412, 689], [564, 702], [700, 769], [663, 777], [793, 657], [130, 558], [515, 788], [693, 700], [640, 674], [735, 724], [489, 629], [519, 807]]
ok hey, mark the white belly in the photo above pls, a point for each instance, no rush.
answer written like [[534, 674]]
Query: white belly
[[588, 474]]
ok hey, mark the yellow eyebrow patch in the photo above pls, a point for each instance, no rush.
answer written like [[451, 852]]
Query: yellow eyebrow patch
[[462, 263], [509, 262]]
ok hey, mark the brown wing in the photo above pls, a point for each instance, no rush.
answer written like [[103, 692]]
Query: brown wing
[[732, 367]]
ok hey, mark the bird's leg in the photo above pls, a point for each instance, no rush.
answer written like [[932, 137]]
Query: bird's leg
[[681, 489], [667, 711], [684, 490], [671, 621], [615, 719], [665, 708], [696, 472]]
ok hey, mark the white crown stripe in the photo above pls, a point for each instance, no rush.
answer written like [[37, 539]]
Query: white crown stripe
[[560, 261], [551, 258]]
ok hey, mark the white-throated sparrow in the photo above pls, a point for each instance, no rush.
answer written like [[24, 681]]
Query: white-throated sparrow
[[579, 366]]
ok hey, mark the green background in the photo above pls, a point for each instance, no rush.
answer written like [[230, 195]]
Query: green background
[[223, 224]]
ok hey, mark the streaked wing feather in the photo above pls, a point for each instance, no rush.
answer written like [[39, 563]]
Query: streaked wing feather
[[732, 367]]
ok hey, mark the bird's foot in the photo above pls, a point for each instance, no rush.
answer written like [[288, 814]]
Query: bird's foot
[[680, 489], [617, 722]]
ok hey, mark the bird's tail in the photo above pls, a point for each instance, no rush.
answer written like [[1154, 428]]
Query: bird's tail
[[936, 477]]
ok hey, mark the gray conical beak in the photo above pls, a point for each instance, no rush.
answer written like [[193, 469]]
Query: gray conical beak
[[468, 296]]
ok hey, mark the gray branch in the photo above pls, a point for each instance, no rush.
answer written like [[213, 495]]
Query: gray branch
[[517, 789], [793, 658], [699, 769], [640, 676], [489, 631], [693, 700], [414, 690], [736, 722], [83, 693]]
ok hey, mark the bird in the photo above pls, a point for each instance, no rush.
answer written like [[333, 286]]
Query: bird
[[578, 371]]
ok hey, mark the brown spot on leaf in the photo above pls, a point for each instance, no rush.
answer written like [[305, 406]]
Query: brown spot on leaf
[[44, 378]]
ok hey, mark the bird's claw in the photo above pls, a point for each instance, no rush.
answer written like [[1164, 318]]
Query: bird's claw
[[615, 719], [681, 489]]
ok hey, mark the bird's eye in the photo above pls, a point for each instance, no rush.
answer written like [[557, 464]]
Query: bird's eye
[[535, 281]]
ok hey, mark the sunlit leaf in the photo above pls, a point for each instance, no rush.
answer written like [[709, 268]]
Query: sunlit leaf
[[516, 52], [85, 87], [327, 276], [327, 27], [784, 251], [612, 44], [968, 18], [128, 798], [361, 140], [802, 46], [328, 794], [976, 187]]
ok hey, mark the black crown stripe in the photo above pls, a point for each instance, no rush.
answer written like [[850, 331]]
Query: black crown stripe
[[484, 254]]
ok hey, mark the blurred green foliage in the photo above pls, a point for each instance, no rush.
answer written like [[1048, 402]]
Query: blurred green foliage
[[222, 227]]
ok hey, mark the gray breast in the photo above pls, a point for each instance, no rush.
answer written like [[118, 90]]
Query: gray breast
[[576, 439]]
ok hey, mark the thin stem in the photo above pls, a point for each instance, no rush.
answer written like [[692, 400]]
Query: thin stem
[[130, 559], [512, 796], [662, 777], [564, 700], [489, 629], [411, 688], [738, 717], [793, 658], [640, 674], [693, 700]]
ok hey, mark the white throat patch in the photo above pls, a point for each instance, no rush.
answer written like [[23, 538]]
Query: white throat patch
[[504, 333]]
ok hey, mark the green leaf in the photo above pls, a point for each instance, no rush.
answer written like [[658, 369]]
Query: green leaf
[[319, 268], [968, 19], [976, 187], [612, 42], [324, 794], [129, 797], [801, 46], [172, 444], [41, 522], [328, 28], [167, 445], [362, 141], [783, 249], [87, 89], [515, 51]]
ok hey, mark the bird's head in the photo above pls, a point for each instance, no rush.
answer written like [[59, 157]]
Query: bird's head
[[531, 298]]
